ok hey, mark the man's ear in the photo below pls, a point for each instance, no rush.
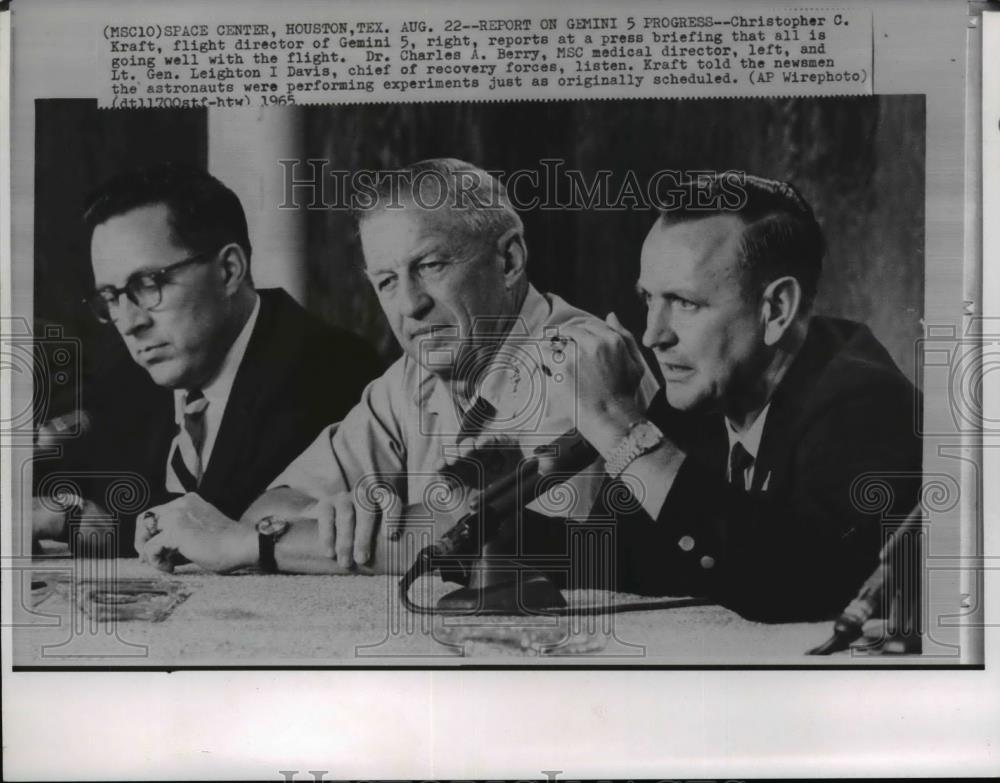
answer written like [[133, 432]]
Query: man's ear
[[235, 267], [780, 305], [513, 254]]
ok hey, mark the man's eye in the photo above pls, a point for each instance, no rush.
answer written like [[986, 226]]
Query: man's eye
[[432, 267], [146, 282], [684, 304], [385, 284]]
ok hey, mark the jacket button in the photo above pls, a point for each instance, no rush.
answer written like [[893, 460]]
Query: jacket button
[[686, 543], [708, 562]]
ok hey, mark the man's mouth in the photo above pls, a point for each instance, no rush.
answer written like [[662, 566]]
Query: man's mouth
[[438, 330], [151, 352], [674, 371]]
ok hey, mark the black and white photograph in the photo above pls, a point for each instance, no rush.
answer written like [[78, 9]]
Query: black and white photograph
[[631, 382], [636, 346]]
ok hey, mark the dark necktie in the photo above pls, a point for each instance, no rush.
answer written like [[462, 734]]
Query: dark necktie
[[185, 469], [739, 461], [475, 419]]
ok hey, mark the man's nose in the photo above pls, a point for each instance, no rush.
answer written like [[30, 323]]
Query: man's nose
[[414, 301], [131, 317], [659, 333]]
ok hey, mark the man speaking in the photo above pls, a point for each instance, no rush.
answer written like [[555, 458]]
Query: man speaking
[[752, 468], [236, 381]]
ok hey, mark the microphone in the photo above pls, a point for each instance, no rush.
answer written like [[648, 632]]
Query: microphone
[[502, 499], [849, 625]]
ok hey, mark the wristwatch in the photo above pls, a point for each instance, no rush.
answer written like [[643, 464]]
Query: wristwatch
[[642, 437], [269, 530]]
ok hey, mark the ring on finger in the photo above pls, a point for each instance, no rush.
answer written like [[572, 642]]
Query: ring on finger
[[149, 520]]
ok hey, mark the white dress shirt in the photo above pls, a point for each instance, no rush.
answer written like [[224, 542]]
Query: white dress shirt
[[750, 438]]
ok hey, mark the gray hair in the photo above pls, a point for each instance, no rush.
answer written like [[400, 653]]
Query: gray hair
[[476, 203]]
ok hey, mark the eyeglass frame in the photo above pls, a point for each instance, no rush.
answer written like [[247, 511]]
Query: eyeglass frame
[[159, 277]]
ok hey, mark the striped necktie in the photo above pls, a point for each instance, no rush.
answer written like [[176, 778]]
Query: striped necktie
[[184, 467]]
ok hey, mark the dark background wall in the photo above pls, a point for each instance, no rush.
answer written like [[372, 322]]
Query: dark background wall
[[859, 161]]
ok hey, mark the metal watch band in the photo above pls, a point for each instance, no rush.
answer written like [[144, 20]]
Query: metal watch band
[[631, 447]]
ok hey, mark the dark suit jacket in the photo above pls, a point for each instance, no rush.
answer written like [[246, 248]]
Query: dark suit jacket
[[297, 376], [838, 461]]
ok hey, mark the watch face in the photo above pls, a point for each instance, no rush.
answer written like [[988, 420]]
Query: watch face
[[270, 526], [646, 435]]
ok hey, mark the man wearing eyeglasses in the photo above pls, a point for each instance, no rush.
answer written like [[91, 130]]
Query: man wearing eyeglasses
[[237, 382]]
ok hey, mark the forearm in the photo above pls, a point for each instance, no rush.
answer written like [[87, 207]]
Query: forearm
[[649, 476], [280, 502], [297, 552]]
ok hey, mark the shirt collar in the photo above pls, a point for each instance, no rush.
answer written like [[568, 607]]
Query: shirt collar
[[504, 376], [217, 390], [750, 438]]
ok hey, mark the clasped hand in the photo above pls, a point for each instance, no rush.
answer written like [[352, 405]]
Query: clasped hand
[[191, 529], [600, 379]]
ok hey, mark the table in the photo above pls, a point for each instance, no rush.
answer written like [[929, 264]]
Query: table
[[317, 621]]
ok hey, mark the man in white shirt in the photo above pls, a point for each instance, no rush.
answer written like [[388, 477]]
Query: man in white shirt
[[749, 441]]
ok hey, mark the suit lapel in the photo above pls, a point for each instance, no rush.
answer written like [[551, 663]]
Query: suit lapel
[[257, 379], [701, 435], [711, 446], [787, 407]]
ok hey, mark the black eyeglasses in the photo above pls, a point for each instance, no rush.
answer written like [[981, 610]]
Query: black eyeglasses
[[143, 289]]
